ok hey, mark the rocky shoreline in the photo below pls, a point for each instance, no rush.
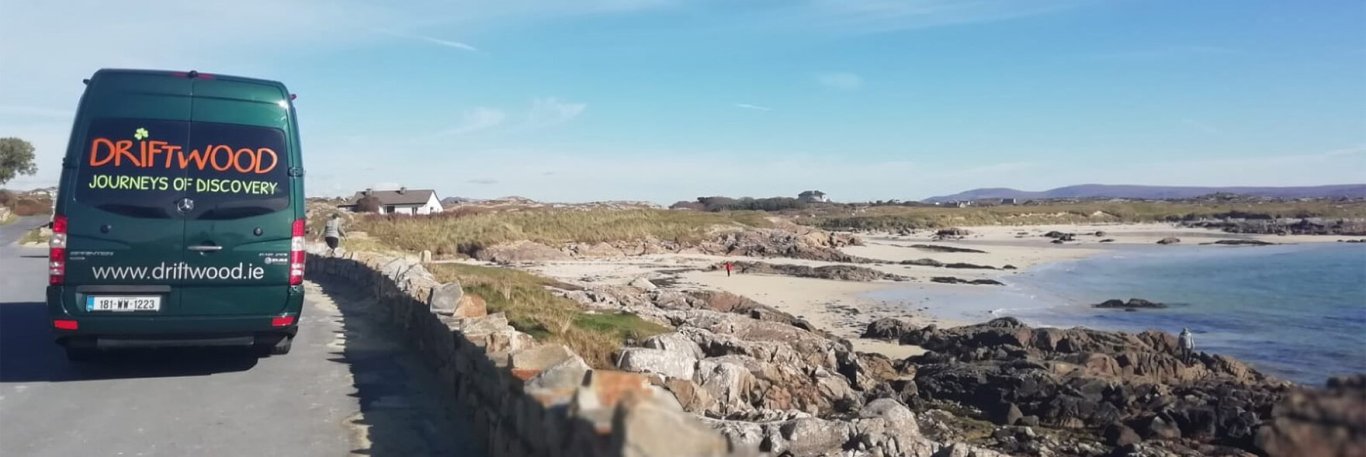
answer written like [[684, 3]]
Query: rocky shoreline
[[770, 380], [773, 381]]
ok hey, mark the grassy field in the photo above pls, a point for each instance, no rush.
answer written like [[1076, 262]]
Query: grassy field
[[533, 309], [451, 233], [896, 217]]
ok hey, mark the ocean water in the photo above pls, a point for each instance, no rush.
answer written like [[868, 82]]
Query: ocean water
[[1294, 311]]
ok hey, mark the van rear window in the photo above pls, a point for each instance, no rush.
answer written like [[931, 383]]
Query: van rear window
[[245, 173], [145, 168]]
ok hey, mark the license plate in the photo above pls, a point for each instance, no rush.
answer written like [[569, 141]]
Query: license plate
[[123, 303]]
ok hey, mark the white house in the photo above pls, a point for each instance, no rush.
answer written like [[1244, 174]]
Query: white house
[[401, 201], [813, 196]]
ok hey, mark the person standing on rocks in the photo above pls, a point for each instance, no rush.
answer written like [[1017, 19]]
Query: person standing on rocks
[[729, 266], [333, 232], [1187, 344]]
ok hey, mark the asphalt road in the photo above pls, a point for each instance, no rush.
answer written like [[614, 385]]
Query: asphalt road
[[345, 389]]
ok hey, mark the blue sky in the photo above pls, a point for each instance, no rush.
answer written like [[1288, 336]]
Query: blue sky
[[666, 100]]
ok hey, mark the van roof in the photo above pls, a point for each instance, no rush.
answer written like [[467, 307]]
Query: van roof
[[177, 95], [103, 72]]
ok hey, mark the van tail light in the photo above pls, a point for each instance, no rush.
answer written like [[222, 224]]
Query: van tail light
[[65, 324], [282, 321], [296, 253], [56, 252]]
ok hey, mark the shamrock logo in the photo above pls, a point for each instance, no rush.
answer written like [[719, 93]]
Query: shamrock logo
[[140, 134]]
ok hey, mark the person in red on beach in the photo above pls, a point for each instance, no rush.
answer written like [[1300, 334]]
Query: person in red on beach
[[728, 268]]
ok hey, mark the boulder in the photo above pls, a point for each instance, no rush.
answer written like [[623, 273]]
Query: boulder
[[867, 371], [540, 357], [643, 426], [568, 373], [721, 334], [1118, 435], [789, 241], [445, 298], [1169, 240], [675, 342], [888, 328], [814, 437], [691, 397], [1009, 414], [643, 284], [1133, 303], [953, 280], [471, 305], [898, 416], [833, 272], [668, 363], [728, 384]]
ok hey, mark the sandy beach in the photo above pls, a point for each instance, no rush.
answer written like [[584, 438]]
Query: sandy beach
[[845, 308]]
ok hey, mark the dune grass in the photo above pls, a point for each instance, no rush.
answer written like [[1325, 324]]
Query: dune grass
[[895, 217], [531, 308], [464, 232]]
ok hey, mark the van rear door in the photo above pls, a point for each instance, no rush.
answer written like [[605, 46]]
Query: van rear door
[[124, 229], [238, 233]]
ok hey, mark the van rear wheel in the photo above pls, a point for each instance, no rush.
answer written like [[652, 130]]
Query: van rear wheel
[[278, 345]]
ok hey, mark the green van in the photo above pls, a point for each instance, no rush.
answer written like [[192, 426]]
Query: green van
[[180, 215]]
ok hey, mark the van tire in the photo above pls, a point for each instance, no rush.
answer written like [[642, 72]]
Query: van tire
[[279, 346]]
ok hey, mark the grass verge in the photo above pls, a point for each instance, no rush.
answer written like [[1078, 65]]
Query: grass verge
[[532, 309], [35, 236]]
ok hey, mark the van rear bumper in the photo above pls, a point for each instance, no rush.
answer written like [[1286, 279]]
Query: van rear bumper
[[168, 330], [173, 328]]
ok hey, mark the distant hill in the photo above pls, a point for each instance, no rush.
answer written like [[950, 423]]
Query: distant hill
[[1156, 192]]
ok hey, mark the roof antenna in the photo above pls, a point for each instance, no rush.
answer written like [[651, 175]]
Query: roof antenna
[[192, 74]]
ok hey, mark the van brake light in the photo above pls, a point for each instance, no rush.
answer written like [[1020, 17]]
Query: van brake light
[[56, 252], [296, 253]]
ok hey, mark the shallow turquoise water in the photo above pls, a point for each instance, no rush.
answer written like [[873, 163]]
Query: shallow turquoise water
[[1295, 311]]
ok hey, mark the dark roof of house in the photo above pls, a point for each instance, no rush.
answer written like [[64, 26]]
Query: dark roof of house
[[395, 197]]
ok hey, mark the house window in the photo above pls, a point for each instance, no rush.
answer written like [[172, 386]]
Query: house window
[[389, 209]]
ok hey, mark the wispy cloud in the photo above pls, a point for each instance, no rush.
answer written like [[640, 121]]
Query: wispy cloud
[[752, 107], [840, 80], [550, 111], [481, 118], [433, 40], [483, 181]]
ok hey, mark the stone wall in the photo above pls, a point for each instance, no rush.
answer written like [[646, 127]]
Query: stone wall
[[523, 398]]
